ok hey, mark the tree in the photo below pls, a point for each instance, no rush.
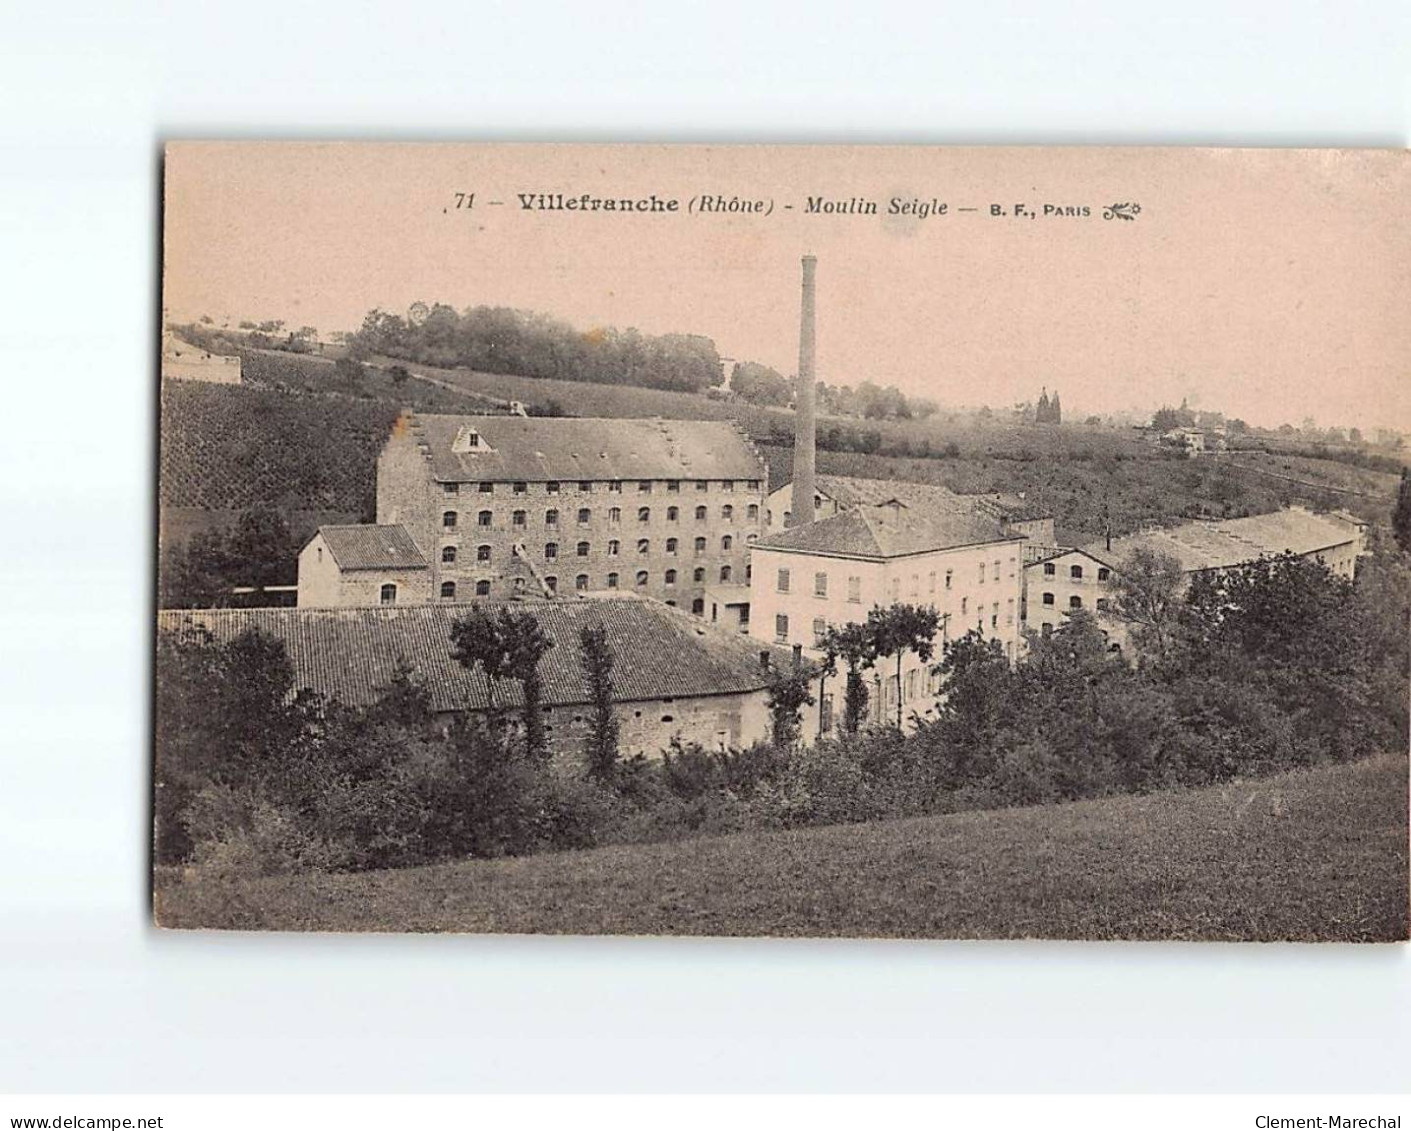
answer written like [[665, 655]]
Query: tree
[[596, 655], [1147, 595], [854, 644], [506, 645], [399, 375], [1401, 516], [789, 694], [899, 629], [759, 384]]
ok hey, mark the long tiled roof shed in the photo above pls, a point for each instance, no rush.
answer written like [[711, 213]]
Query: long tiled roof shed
[[351, 653], [372, 547], [889, 530], [466, 449], [1219, 545]]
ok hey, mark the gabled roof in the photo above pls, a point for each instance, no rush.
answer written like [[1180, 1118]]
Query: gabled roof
[[538, 449], [1219, 545], [372, 547], [888, 531], [350, 653], [855, 491]]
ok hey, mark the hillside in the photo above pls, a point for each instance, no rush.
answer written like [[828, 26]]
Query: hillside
[[1311, 854]]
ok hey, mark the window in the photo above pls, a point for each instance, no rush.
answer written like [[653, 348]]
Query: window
[[614, 548], [820, 585], [702, 484], [1103, 573], [1009, 612], [552, 486], [615, 486], [673, 513], [964, 605], [896, 589], [820, 628], [448, 555], [931, 583], [698, 574], [982, 573], [644, 514], [582, 549], [673, 486], [521, 488], [615, 514], [482, 589], [1048, 598], [484, 518], [585, 487], [751, 539], [482, 553], [612, 581], [520, 518], [487, 488], [997, 573], [551, 551], [388, 594], [585, 516], [781, 627], [451, 488], [670, 577], [551, 517], [641, 579], [551, 583], [1047, 628], [671, 545], [448, 520], [948, 577], [727, 484], [1075, 572], [725, 573], [698, 606], [782, 583], [700, 545], [754, 484], [700, 514], [726, 542], [855, 590], [581, 581], [1075, 602], [752, 511], [727, 512], [1102, 604], [644, 545], [448, 590], [915, 584], [645, 486], [1049, 569]]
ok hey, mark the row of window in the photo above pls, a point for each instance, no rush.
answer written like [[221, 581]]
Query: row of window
[[614, 486], [450, 554], [820, 624], [450, 519], [1075, 572], [449, 589], [821, 582], [1076, 602]]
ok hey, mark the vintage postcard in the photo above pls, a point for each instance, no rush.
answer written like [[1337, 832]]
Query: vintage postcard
[[784, 540]]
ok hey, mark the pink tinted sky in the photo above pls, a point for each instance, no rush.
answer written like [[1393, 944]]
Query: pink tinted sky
[[1271, 284]]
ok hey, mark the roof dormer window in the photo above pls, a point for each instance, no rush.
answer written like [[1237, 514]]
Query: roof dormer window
[[468, 439]]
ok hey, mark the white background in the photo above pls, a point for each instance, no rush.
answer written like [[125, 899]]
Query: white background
[[92, 998]]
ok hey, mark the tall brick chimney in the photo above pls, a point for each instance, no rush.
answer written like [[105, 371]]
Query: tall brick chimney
[[805, 423]]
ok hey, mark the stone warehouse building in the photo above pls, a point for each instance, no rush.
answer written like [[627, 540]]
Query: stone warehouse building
[[1082, 578], [675, 677], [659, 508], [831, 572]]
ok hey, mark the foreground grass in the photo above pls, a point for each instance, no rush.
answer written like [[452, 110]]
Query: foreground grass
[[1311, 855]]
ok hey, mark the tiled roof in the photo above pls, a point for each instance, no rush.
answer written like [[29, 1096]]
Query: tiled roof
[[850, 491], [372, 547], [888, 531], [564, 448], [350, 653], [1218, 545]]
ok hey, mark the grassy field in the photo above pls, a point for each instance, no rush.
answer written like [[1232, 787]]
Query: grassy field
[[1315, 854]]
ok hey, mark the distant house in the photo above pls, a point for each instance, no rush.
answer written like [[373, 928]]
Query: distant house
[[181, 361], [1081, 578], [1189, 440], [675, 677], [362, 565]]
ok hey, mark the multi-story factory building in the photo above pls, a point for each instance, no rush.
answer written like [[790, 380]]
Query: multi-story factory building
[[504, 506]]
